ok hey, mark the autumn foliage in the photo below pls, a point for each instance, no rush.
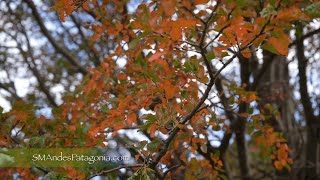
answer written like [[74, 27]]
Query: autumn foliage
[[174, 54]]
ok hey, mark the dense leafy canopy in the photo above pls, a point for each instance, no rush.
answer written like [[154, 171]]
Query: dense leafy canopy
[[174, 54]]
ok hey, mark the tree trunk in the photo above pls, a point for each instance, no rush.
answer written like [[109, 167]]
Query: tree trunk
[[275, 90], [313, 127]]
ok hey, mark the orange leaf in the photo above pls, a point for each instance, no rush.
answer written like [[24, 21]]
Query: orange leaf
[[186, 23], [122, 76], [282, 154], [248, 97], [220, 163], [85, 6], [291, 14], [281, 48], [137, 156], [170, 90], [132, 118], [201, 1], [176, 33], [218, 51], [61, 15], [278, 165], [93, 131], [155, 56], [246, 53], [168, 6], [3, 141], [252, 97], [244, 115], [95, 37], [279, 42]]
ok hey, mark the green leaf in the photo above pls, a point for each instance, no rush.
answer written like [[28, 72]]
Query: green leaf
[[313, 10], [140, 145], [145, 176], [250, 110], [6, 159], [287, 166], [133, 43], [231, 100], [224, 54], [210, 56], [153, 146], [222, 176], [267, 11], [151, 118], [1, 111], [216, 154], [269, 47], [184, 94], [149, 170], [257, 134], [54, 176], [112, 175], [190, 67], [142, 174]]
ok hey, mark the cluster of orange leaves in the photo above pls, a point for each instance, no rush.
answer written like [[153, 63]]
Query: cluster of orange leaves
[[110, 97], [279, 150], [158, 77]]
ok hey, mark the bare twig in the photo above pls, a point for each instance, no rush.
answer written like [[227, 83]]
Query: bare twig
[[51, 39]]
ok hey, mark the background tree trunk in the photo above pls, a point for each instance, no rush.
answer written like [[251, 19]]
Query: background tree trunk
[[275, 89]]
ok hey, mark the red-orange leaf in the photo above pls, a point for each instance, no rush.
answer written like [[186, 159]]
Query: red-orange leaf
[[132, 118], [176, 33], [155, 56], [168, 6], [278, 165], [170, 89], [201, 1], [281, 48]]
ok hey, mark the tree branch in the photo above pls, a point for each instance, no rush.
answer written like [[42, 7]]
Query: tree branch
[[167, 142], [305, 36], [45, 31], [35, 71], [311, 120], [88, 47], [171, 169]]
